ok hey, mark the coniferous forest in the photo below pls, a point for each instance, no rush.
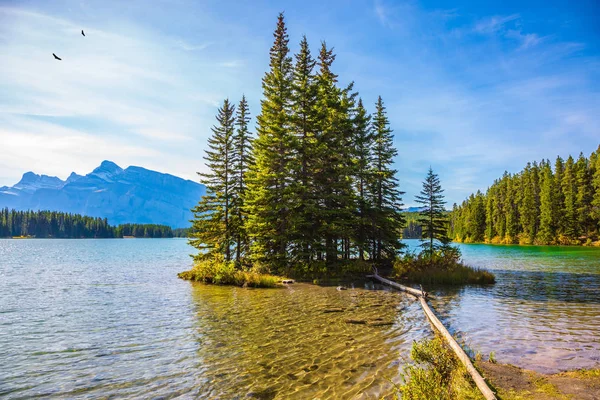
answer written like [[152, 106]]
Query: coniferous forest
[[53, 224], [542, 204], [315, 187]]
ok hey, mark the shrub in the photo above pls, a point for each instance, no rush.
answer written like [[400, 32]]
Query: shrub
[[443, 267], [218, 271], [436, 374]]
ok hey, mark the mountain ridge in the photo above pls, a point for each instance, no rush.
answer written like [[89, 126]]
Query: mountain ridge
[[131, 195]]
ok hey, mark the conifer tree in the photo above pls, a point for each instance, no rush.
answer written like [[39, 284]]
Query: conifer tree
[[527, 209], [387, 201], [432, 218], [305, 241], [584, 196], [241, 162], [268, 194], [595, 162], [334, 191], [363, 145], [548, 213], [569, 192], [212, 224]]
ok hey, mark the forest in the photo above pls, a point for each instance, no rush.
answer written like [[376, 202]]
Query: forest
[[542, 204], [53, 224], [315, 187]]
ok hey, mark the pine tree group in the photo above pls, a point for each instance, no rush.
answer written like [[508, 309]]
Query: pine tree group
[[539, 205], [316, 185]]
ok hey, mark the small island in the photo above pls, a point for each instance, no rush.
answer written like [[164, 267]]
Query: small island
[[314, 196]]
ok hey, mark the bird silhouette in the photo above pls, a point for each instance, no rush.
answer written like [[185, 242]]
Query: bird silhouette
[[57, 57], [82, 32]]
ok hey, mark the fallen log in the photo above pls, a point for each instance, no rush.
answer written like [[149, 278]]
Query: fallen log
[[460, 353], [414, 292]]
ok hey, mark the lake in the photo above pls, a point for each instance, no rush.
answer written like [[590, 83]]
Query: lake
[[109, 318]]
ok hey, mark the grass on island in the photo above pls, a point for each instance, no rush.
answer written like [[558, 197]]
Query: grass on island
[[444, 267], [217, 271], [436, 374], [319, 273]]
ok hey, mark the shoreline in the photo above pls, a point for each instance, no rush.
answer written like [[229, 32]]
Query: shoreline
[[512, 382]]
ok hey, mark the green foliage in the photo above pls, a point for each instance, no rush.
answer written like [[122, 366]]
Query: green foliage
[[315, 190], [538, 205], [218, 271], [437, 374], [54, 224], [268, 198], [388, 222], [442, 267], [212, 225], [432, 218]]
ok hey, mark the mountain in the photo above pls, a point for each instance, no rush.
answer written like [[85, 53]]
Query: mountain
[[130, 195], [414, 209]]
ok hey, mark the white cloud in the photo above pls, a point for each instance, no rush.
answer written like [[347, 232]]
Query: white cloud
[[128, 94]]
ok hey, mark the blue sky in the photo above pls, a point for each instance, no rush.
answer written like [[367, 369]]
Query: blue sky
[[472, 88]]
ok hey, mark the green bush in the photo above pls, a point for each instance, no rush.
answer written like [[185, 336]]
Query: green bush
[[217, 271], [443, 267], [436, 374]]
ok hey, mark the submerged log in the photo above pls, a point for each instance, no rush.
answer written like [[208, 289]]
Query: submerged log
[[437, 324]]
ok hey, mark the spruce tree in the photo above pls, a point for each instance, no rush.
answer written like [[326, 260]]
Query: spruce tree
[[569, 192], [548, 213], [304, 237], [595, 162], [212, 224], [241, 160], [388, 221], [432, 218], [363, 145], [268, 195], [332, 183], [527, 208], [584, 196]]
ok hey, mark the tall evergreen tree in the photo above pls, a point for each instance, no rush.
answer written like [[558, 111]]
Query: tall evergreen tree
[[334, 190], [212, 224], [584, 196], [548, 212], [388, 221], [305, 241], [241, 160], [432, 218], [268, 194], [595, 162], [363, 145], [569, 192]]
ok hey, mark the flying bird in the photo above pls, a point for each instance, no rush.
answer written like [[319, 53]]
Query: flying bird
[[82, 32], [57, 57]]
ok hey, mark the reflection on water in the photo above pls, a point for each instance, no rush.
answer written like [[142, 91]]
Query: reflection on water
[[109, 318], [299, 342]]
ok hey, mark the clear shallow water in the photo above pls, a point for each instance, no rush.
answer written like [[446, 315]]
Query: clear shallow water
[[109, 318]]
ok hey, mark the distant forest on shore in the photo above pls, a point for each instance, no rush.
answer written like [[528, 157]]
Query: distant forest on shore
[[539, 205], [53, 224]]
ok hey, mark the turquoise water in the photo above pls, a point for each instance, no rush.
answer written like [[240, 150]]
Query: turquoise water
[[542, 314], [109, 318]]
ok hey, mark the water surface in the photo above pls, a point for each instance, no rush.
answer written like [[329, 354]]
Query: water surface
[[109, 318], [542, 314]]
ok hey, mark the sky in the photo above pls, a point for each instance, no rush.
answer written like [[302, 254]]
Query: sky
[[472, 89]]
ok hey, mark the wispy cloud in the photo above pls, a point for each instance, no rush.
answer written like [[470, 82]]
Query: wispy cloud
[[118, 94], [493, 24]]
